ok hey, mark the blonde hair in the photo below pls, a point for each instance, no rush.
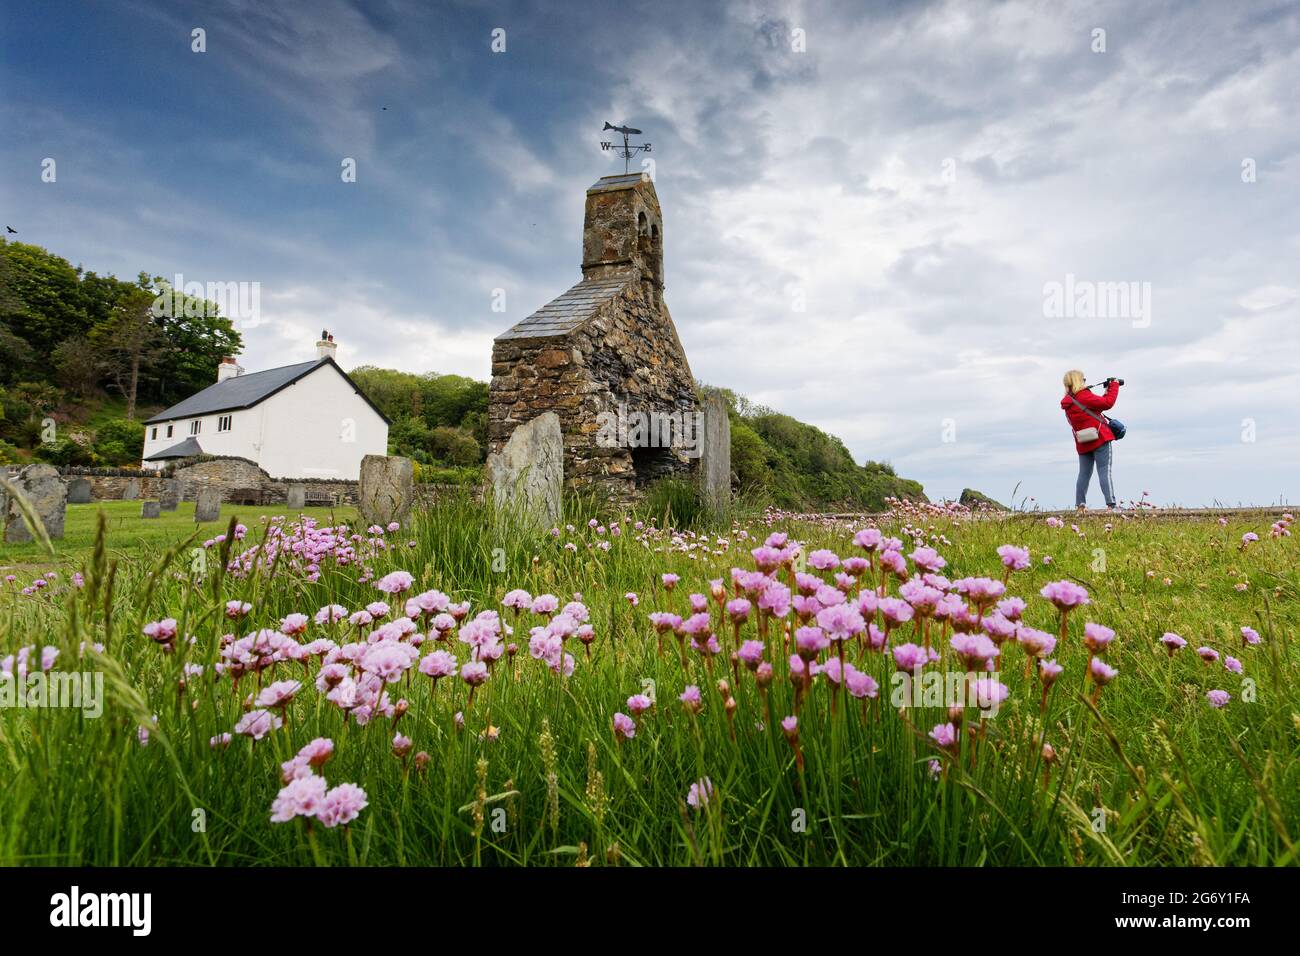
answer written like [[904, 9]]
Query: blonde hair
[[1074, 381]]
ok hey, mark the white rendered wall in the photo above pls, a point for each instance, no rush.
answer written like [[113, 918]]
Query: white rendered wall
[[317, 427]]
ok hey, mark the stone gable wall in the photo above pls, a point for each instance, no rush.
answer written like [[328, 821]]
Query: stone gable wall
[[627, 354]]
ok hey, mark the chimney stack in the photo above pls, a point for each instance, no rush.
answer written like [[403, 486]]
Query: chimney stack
[[325, 348], [228, 368]]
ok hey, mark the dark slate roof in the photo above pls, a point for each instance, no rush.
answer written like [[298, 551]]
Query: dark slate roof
[[245, 391], [621, 181], [186, 449], [566, 312]]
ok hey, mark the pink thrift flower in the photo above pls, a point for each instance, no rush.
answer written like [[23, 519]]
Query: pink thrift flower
[[989, 693], [1218, 698], [840, 622], [258, 723], [474, 673], [395, 582], [1172, 642], [1014, 558], [700, 793], [301, 797], [908, 657], [861, 684], [944, 736], [1097, 637], [824, 560], [624, 726], [438, 664], [278, 694], [342, 805], [1102, 673], [1066, 595]]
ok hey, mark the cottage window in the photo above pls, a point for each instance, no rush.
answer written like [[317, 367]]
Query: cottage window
[[224, 423], [195, 426], [153, 434], [169, 430]]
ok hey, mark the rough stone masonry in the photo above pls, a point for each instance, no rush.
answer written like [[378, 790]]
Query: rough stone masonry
[[604, 351]]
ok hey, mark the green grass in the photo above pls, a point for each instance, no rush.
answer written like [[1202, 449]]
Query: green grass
[[129, 535], [1149, 776]]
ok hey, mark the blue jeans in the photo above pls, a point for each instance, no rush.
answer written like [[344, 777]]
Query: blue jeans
[[1101, 458]]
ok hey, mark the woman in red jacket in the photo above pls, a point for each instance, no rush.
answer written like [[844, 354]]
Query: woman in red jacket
[[1092, 434]]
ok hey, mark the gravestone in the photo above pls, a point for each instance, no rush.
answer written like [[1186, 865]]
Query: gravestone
[[150, 509], [78, 491], [296, 497], [207, 505], [132, 490], [527, 474], [45, 493], [386, 489], [169, 498], [715, 454]]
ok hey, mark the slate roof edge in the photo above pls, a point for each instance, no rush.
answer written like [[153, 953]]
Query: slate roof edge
[[163, 416], [617, 282]]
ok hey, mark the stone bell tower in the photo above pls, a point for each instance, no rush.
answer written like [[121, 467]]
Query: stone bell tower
[[623, 230]]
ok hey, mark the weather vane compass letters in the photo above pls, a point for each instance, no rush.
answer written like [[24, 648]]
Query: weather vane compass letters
[[627, 151]]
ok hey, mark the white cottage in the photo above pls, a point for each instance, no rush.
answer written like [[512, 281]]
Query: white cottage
[[299, 421]]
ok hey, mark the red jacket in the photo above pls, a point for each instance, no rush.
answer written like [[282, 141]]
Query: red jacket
[[1079, 419]]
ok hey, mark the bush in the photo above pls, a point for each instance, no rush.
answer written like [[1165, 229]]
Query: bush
[[454, 446], [63, 451], [119, 441]]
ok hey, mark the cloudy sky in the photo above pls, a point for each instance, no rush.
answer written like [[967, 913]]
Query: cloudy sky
[[866, 205]]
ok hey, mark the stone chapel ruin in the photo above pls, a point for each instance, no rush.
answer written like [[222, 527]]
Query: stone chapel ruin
[[605, 358]]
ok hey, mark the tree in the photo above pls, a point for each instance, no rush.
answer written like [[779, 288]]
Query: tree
[[126, 340], [45, 305], [76, 366], [195, 339]]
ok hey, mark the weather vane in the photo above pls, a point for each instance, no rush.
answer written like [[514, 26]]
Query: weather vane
[[627, 151]]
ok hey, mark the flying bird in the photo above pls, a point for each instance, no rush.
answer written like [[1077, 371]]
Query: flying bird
[[11, 230]]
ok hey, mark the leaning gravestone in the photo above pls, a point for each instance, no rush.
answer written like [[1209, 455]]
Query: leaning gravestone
[[132, 490], [386, 489], [78, 491], [150, 509], [207, 505], [45, 493], [527, 474], [296, 497], [169, 498], [715, 454]]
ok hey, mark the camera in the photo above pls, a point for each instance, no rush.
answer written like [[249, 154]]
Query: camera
[[1114, 379]]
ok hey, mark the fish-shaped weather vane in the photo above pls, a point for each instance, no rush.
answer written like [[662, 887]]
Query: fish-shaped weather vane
[[628, 150]]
